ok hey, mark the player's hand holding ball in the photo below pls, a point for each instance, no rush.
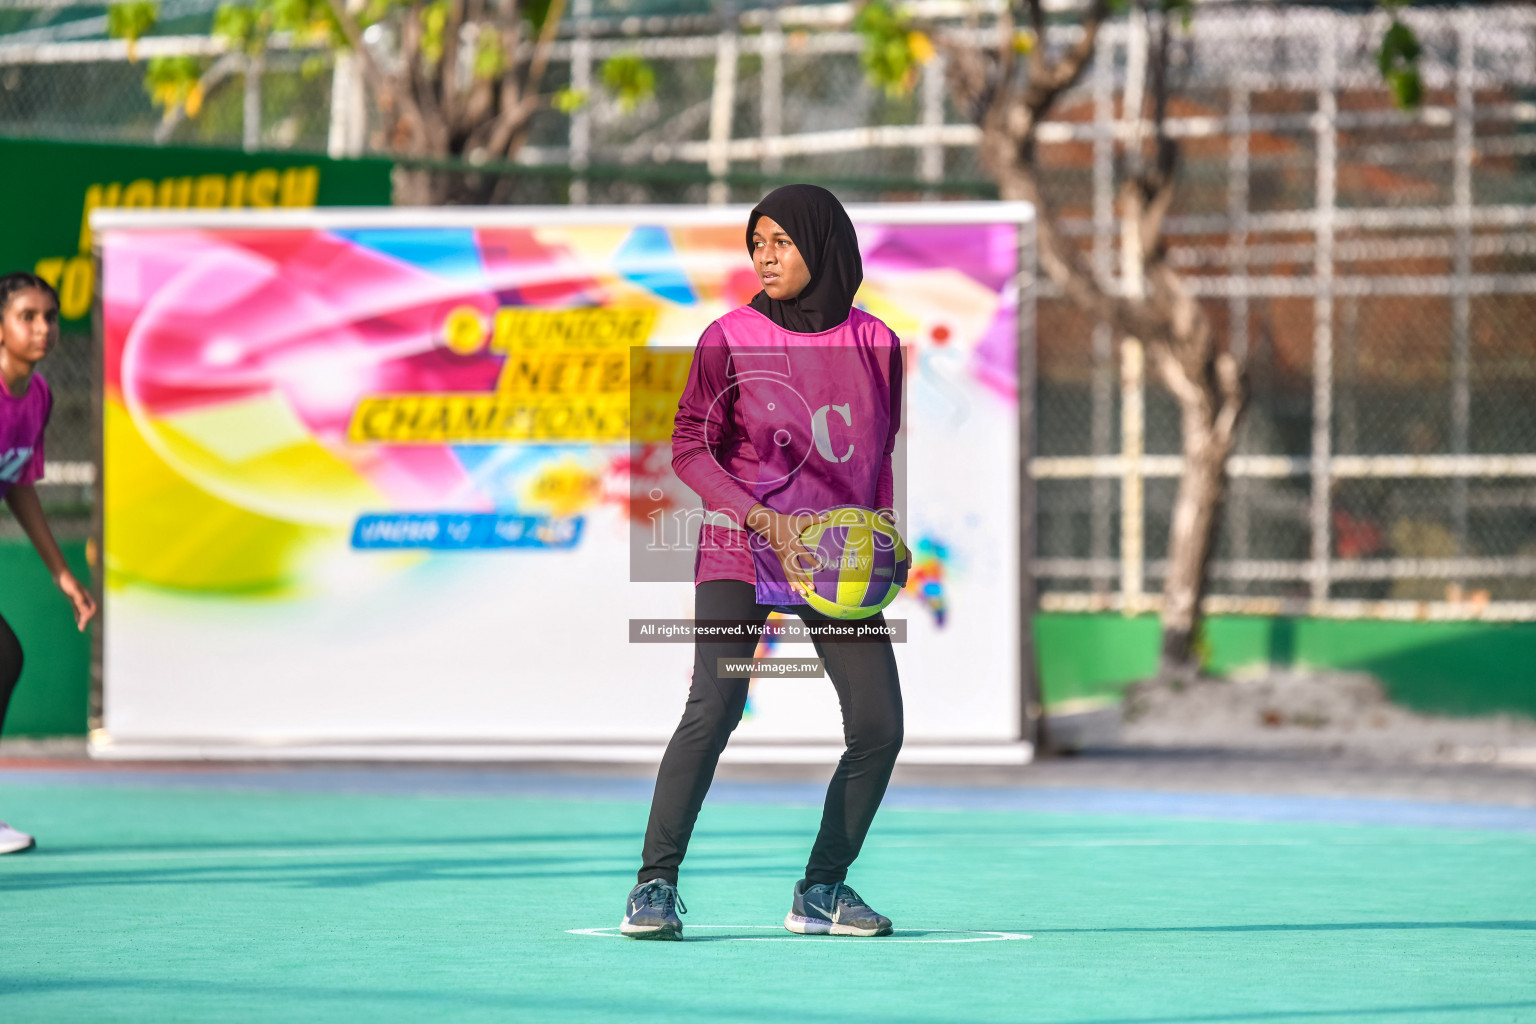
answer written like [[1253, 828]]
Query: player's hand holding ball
[[783, 534]]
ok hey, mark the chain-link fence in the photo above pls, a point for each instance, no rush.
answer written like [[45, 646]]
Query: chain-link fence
[[1374, 269]]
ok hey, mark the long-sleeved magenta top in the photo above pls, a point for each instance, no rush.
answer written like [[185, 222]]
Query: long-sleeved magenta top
[[826, 406]]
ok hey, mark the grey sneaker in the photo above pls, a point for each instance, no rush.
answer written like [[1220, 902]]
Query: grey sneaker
[[651, 912], [833, 910]]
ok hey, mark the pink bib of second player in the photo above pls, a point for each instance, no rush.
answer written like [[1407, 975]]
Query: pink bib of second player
[[22, 421]]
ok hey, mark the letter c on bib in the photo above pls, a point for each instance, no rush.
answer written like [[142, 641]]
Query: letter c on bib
[[822, 438]]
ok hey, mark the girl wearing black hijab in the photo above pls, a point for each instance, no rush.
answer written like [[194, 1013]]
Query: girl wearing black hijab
[[792, 406]]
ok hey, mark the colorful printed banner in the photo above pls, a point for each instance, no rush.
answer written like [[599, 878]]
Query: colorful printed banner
[[377, 476]]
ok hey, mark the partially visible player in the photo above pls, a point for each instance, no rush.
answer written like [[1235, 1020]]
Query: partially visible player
[[29, 327]]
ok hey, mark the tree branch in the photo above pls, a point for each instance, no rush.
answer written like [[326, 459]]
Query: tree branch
[[1049, 79], [222, 71], [1037, 19], [965, 75], [1152, 218], [1233, 388], [1156, 183], [478, 103], [518, 105], [1061, 263], [448, 64], [376, 78], [546, 40], [433, 128], [1175, 375]]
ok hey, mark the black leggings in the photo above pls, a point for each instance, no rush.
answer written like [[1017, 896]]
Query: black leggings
[[869, 692], [10, 666]]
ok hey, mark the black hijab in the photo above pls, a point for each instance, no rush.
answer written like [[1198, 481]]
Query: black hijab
[[819, 226]]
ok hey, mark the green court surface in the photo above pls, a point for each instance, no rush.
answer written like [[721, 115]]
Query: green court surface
[[276, 897]]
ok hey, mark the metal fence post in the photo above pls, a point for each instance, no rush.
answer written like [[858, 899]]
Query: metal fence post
[[1133, 422], [722, 107], [581, 83], [1102, 398], [1237, 215], [1239, 503], [1031, 700], [251, 111], [771, 101], [1132, 447], [1461, 300], [930, 160], [1322, 311], [349, 112]]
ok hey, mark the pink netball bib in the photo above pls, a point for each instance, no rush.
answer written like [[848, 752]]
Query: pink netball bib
[[817, 409]]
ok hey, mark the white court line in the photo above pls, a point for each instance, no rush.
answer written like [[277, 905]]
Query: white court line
[[46, 855], [362, 852], [979, 935], [1089, 843]]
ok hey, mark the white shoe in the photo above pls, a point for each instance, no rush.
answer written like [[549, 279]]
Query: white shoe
[[12, 841]]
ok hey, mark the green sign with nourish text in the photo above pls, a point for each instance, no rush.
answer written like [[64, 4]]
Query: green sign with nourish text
[[54, 186]]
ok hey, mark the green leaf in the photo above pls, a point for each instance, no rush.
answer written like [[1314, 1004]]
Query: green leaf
[[132, 20], [434, 19], [1398, 60], [1406, 88], [315, 65], [1399, 46], [172, 82], [375, 11], [535, 11], [490, 55], [568, 101], [887, 54], [172, 71], [239, 26], [630, 78], [312, 22]]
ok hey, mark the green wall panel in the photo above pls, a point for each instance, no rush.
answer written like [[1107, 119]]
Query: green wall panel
[[53, 696], [1456, 668]]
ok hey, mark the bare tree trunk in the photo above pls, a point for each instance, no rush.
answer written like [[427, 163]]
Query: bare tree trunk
[[1192, 533], [424, 186], [1208, 386], [412, 186]]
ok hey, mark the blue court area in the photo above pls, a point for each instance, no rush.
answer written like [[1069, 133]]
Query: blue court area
[[442, 894]]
